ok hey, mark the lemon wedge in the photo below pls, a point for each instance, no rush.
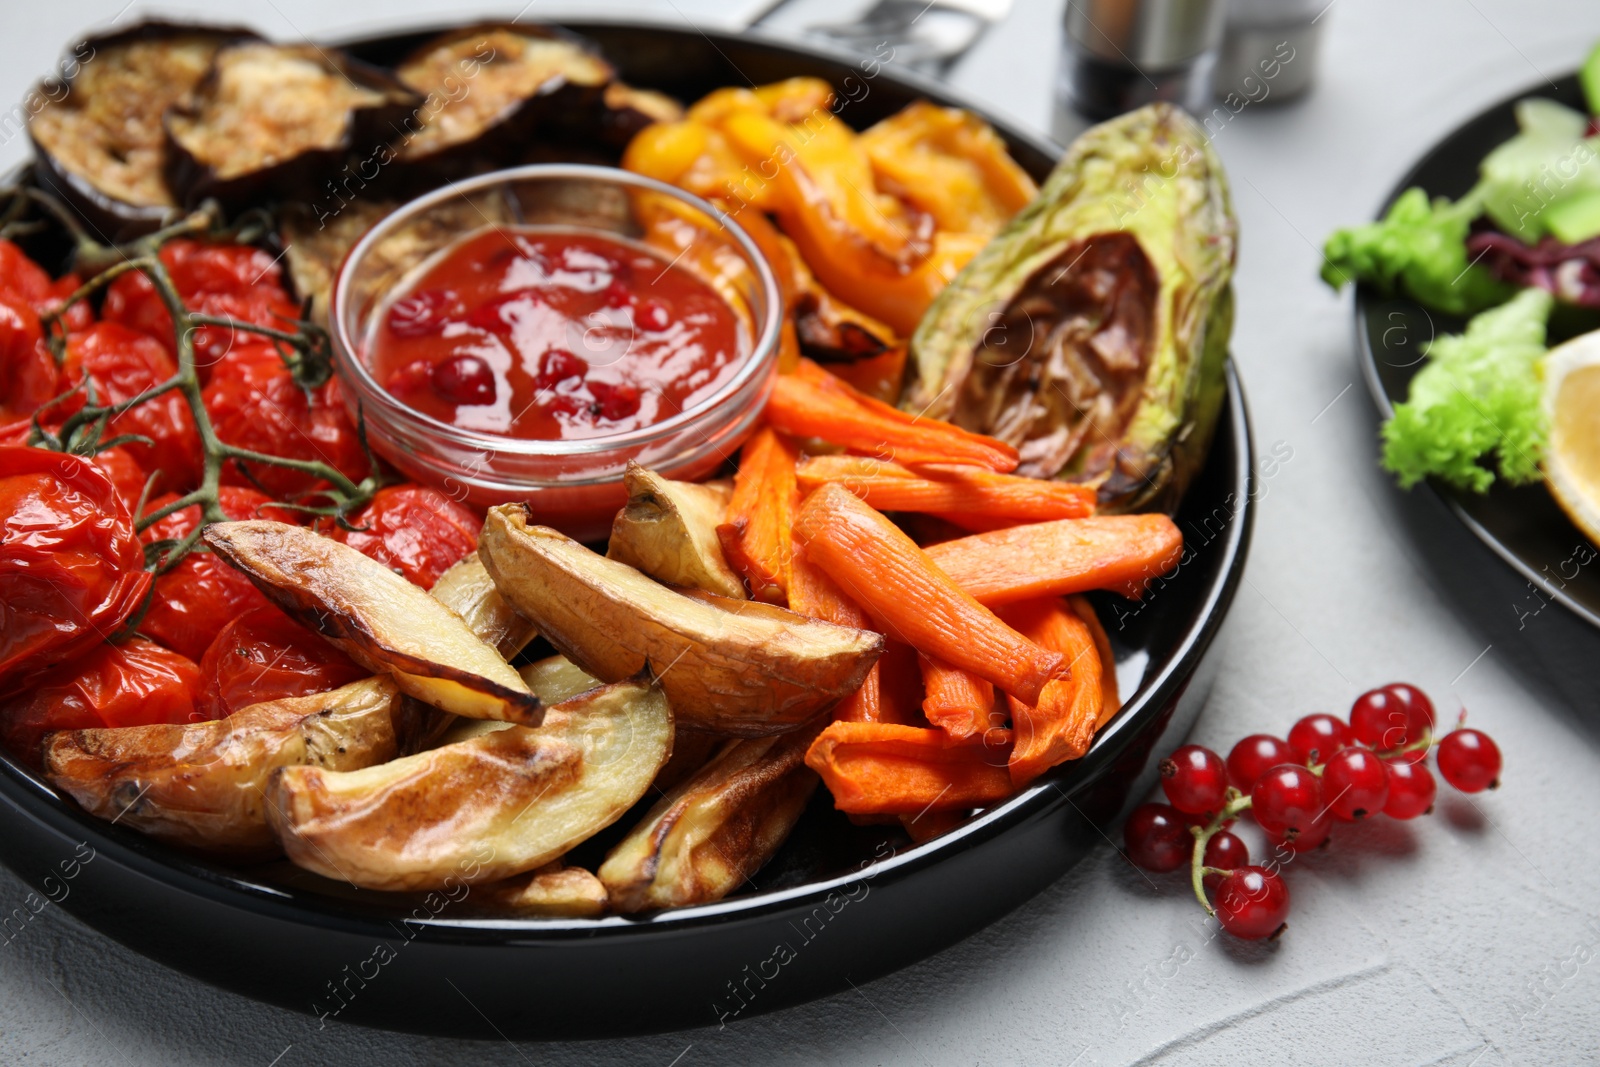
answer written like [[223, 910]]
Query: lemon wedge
[[1572, 412]]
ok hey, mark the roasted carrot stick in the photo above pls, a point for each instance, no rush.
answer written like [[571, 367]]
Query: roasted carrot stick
[[878, 768], [813, 403], [1060, 725], [813, 593], [885, 572], [756, 538], [960, 491], [1110, 698], [1119, 552], [958, 702]]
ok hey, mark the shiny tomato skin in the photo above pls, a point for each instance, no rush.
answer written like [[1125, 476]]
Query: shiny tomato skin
[[193, 601], [122, 364], [23, 277], [414, 530], [127, 683], [71, 568], [254, 403], [227, 281], [28, 373], [118, 464], [265, 655]]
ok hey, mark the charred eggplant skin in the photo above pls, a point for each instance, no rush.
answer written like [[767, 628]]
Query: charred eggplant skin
[[117, 218], [367, 129], [1101, 358]]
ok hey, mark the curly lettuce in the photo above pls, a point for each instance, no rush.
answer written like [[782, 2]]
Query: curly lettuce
[[1477, 395], [1419, 249]]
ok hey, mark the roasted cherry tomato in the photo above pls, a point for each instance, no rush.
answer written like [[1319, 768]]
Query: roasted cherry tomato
[[125, 473], [228, 281], [414, 530], [122, 364], [202, 594], [28, 373], [71, 569], [24, 279], [265, 655], [126, 683], [255, 403]]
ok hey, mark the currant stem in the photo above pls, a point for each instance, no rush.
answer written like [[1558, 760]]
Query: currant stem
[[1235, 803]]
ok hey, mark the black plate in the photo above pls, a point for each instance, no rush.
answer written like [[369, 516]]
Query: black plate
[[839, 903], [1523, 525]]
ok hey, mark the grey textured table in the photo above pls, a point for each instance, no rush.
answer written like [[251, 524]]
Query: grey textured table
[[1467, 938]]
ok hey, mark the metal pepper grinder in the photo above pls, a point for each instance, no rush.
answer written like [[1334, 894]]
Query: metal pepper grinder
[[1121, 54]]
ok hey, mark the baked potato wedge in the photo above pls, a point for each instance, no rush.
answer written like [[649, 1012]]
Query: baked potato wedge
[[726, 665], [201, 785], [528, 793], [467, 590], [552, 679], [377, 618], [553, 890], [668, 529], [711, 833]]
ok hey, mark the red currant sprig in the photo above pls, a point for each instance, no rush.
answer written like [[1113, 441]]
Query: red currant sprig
[[1328, 770]]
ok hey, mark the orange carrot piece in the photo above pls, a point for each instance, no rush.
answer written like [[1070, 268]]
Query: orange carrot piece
[[958, 702], [959, 491], [900, 680], [813, 403], [1110, 697], [877, 376], [1060, 725], [756, 538], [882, 769], [915, 602], [813, 593], [1119, 552], [814, 472]]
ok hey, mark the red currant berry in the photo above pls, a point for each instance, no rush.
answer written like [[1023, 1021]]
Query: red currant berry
[[1252, 903], [556, 366], [1287, 800], [653, 316], [464, 380], [1391, 717], [420, 313], [616, 295], [1156, 838], [614, 402], [1316, 737], [1469, 760], [1194, 779], [1356, 783], [1411, 789], [1306, 838], [414, 376], [1255, 756], [1225, 852]]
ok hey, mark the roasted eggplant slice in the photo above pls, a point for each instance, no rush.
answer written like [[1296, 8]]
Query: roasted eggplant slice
[[274, 122], [378, 618], [626, 110], [705, 838], [668, 529], [487, 89], [98, 141], [201, 785], [1092, 332], [727, 666], [523, 795]]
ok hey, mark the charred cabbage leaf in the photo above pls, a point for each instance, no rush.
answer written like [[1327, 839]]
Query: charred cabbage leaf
[[1092, 332]]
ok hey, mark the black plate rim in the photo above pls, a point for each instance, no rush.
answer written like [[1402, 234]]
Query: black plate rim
[[1365, 302], [183, 873]]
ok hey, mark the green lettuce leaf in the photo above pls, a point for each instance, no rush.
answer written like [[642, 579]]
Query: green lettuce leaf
[[1419, 249], [1477, 395]]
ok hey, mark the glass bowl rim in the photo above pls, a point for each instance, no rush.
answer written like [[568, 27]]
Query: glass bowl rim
[[763, 350]]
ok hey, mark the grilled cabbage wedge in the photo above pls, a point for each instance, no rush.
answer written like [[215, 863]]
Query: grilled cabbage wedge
[[377, 618], [273, 122], [706, 837], [1092, 332], [733, 667], [202, 785], [98, 139], [668, 530], [527, 793]]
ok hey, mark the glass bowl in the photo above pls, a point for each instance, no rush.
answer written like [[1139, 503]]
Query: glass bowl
[[573, 485]]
